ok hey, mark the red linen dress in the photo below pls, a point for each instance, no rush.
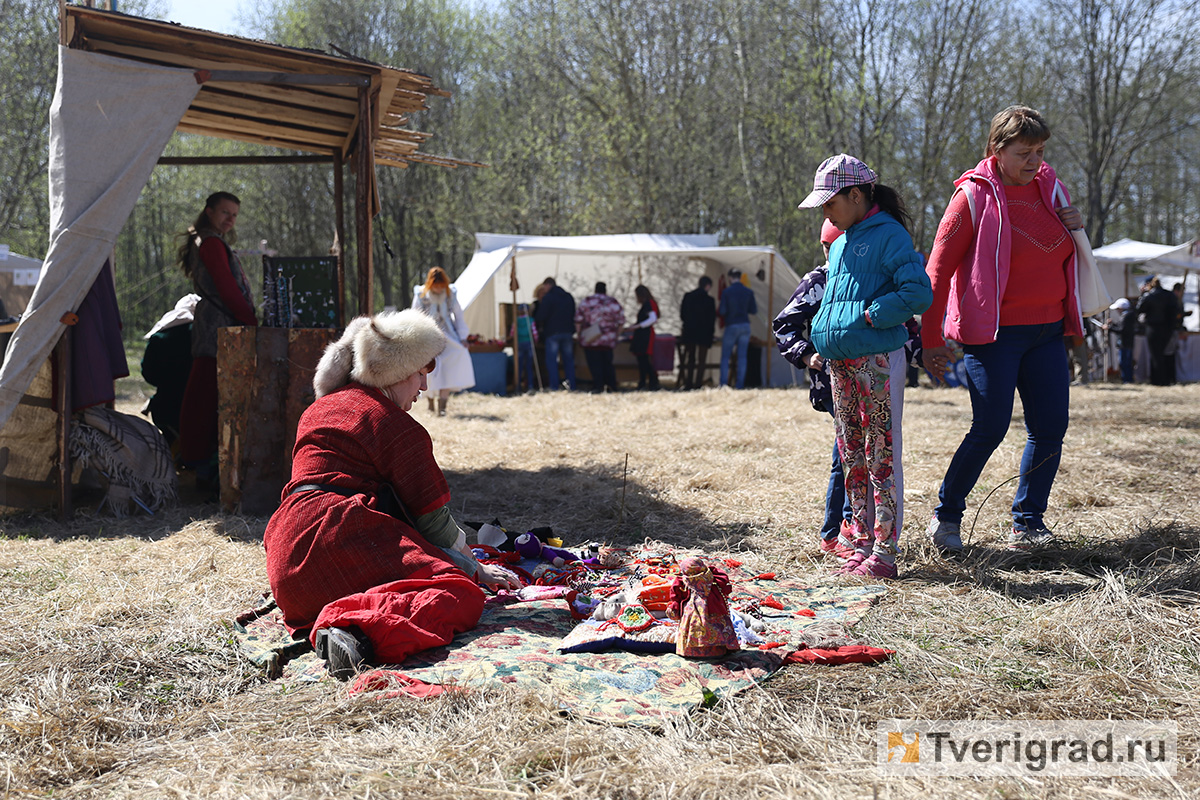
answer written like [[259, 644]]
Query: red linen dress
[[337, 561]]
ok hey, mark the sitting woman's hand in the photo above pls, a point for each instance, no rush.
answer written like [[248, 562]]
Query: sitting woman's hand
[[495, 577]]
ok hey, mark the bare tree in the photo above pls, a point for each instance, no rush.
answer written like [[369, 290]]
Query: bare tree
[[1128, 71]]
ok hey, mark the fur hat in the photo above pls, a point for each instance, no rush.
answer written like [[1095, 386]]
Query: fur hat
[[379, 351]]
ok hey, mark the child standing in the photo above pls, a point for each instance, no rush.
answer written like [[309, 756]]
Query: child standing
[[793, 337], [524, 333], [876, 282]]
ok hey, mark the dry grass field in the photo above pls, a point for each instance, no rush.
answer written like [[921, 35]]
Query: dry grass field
[[118, 677]]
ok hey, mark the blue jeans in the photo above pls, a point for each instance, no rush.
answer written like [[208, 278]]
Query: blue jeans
[[525, 356], [1126, 365], [737, 335], [1029, 359], [560, 345], [837, 506]]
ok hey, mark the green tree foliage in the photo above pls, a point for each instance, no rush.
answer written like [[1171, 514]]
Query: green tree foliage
[[29, 30]]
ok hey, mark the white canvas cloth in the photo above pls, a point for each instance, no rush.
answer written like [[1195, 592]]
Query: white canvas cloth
[[668, 264], [109, 122]]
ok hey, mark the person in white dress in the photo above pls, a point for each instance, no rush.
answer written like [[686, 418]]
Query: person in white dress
[[454, 371]]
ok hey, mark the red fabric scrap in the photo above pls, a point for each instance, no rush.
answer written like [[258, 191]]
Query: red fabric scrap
[[770, 602], [771, 645], [766, 576], [806, 612], [732, 563], [847, 654], [394, 684]]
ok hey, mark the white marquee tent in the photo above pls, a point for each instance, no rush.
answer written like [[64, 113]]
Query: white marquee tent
[[668, 265], [1116, 260]]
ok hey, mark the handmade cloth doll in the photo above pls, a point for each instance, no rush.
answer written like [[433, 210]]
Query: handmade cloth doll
[[698, 602]]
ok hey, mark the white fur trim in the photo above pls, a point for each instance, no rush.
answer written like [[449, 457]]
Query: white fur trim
[[395, 345], [333, 370], [379, 351]]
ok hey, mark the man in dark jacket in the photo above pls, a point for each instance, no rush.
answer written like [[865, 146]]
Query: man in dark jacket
[[1159, 310], [699, 315], [737, 304], [555, 318]]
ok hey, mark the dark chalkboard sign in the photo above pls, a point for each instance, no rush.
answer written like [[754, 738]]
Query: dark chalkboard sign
[[300, 292]]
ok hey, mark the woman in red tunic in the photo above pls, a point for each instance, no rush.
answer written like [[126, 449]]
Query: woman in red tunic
[[225, 301], [363, 554]]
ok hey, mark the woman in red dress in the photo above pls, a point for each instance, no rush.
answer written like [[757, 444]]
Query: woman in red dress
[[363, 554]]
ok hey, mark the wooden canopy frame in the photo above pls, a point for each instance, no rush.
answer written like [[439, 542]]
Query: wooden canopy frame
[[334, 108], [301, 100]]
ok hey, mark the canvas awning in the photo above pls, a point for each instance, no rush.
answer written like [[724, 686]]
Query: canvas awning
[[1115, 260]]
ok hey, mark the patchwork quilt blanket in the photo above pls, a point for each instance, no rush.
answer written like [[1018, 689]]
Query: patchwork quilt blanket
[[517, 644]]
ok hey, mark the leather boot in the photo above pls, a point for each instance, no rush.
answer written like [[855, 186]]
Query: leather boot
[[441, 412], [431, 408]]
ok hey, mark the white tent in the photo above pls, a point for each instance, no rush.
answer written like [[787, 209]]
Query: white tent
[[668, 265], [18, 275], [1116, 259]]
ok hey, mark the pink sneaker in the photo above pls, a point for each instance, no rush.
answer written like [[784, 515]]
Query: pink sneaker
[[846, 551], [828, 547], [851, 563], [874, 568]]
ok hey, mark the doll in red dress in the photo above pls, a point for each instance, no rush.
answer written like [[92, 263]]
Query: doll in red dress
[[698, 602]]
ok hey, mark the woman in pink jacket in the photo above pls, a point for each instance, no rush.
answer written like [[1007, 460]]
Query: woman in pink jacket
[[1003, 275]]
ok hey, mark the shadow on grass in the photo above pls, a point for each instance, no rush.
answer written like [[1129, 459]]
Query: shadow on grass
[[581, 505], [1161, 560], [590, 503]]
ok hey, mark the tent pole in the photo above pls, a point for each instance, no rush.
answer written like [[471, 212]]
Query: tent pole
[[512, 284], [362, 192], [62, 409], [339, 203], [770, 314]]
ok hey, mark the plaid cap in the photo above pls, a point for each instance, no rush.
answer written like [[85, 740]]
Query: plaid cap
[[834, 174]]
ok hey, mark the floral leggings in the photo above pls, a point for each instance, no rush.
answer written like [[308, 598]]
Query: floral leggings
[[862, 402]]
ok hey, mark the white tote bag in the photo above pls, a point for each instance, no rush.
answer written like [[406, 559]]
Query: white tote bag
[[1089, 283]]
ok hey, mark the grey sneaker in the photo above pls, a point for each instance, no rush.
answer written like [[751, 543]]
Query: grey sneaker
[[346, 651], [1031, 538], [945, 537]]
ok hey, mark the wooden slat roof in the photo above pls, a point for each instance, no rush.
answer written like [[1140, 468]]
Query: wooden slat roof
[[320, 118]]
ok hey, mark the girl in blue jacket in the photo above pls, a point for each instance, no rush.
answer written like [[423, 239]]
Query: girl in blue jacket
[[876, 282]]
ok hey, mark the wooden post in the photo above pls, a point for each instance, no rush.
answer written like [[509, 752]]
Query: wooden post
[[362, 210], [339, 200], [62, 407], [512, 284], [770, 316]]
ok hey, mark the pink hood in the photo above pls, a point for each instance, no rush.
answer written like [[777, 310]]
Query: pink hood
[[978, 284]]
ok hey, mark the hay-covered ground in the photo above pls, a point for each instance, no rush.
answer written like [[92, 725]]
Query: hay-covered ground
[[118, 677]]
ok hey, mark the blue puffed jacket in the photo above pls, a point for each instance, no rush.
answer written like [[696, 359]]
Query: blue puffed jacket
[[874, 267]]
